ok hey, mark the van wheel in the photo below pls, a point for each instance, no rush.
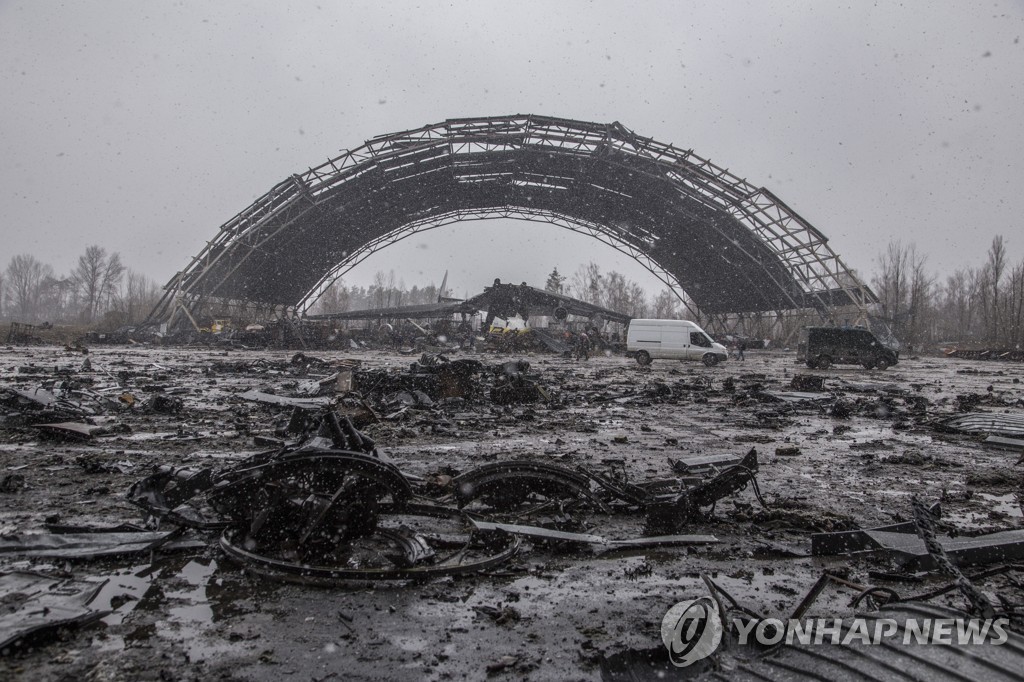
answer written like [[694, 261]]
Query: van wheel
[[824, 362], [710, 359], [883, 363], [643, 358]]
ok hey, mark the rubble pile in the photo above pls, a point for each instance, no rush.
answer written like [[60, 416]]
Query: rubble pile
[[490, 488]]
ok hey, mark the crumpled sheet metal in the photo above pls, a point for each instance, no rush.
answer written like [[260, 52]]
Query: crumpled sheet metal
[[81, 545], [901, 541], [40, 404], [73, 430], [912, 553], [35, 604], [848, 541], [165, 495]]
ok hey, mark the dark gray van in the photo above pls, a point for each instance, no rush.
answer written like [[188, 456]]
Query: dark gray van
[[820, 347]]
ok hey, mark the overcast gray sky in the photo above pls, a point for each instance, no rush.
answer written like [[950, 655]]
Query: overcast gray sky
[[143, 126]]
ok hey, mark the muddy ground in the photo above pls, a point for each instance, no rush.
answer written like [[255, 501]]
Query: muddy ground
[[193, 614]]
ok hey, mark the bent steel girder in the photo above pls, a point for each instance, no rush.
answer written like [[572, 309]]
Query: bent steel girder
[[731, 246]]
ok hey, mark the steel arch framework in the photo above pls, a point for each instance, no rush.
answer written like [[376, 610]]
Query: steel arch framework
[[730, 246]]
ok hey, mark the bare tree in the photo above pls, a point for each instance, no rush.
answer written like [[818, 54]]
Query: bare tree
[[994, 268], [55, 297], [903, 288], [587, 283], [427, 294], [88, 276], [97, 277], [335, 299], [637, 300], [919, 302], [25, 276], [611, 290], [383, 289], [137, 297], [110, 282], [616, 292], [1015, 321], [666, 306], [958, 299]]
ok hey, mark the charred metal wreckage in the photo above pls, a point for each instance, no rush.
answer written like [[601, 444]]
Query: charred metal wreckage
[[328, 508], [324, 505]]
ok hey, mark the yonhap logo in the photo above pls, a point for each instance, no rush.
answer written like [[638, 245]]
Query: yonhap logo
[[691, 630]]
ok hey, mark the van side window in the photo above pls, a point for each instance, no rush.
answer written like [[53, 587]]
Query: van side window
[[698, 339]]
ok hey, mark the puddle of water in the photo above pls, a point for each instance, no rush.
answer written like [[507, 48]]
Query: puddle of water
[[1007, 504], [221, 454], [177, 598], [149, 435], [410, 643], [1000, 504], [133, 584]]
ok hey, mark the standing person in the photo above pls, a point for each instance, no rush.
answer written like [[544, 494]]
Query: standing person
[[583, 346], [741, 346]]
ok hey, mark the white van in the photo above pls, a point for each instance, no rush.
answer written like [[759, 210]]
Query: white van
[[648, 340]]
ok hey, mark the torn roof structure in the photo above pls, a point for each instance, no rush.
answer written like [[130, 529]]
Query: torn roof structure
[[730, 246]]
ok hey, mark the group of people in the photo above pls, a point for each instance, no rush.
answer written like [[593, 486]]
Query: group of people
[[582, 342]]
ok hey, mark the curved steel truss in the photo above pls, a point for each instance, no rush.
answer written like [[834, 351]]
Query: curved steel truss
[[732, 247], [599, 232]]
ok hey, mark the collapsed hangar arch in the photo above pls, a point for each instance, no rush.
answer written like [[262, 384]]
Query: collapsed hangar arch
[[732, 247]]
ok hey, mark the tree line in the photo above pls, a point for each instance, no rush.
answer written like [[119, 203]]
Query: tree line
[[383, 292], [981, 305], [974, 305], [100, 289], [610, 290]]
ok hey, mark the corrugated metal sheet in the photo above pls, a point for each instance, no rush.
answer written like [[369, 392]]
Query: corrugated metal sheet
[[1002, 424]]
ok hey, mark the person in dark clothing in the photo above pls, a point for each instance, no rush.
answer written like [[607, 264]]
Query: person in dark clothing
[[582, 346], [741, 346]]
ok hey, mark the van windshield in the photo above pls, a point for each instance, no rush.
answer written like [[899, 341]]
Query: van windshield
[[698, 339]]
